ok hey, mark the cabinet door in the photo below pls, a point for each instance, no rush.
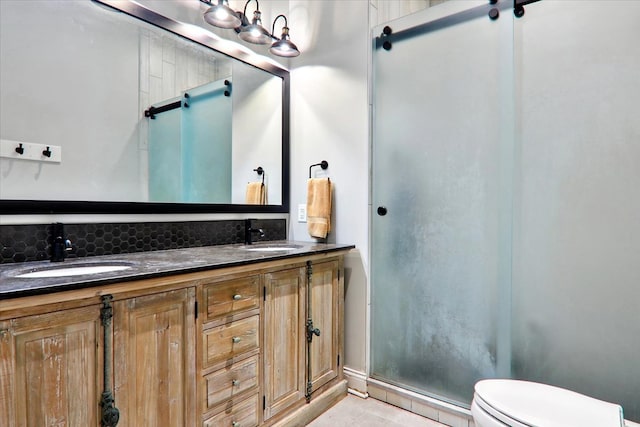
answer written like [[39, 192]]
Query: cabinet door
[[325, 312], [49, 369], [154, 359], [284, 342]]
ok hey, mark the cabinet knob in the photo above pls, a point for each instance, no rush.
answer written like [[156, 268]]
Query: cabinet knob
[[237, 297], [235, 382], [236, 340]]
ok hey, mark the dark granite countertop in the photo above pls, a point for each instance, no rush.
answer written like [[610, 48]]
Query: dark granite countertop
[[145, 265]]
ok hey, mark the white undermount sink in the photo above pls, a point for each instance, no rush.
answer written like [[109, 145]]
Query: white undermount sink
[[271, 248], [76, 270]]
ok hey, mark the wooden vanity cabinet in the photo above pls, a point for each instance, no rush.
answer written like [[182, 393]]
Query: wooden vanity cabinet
[[49, 369], [226, 347]]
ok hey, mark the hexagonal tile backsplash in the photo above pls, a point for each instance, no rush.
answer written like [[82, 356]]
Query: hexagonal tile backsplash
[[20, 243]]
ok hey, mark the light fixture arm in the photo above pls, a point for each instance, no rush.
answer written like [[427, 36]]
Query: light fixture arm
[[247, 3], [273, 27]]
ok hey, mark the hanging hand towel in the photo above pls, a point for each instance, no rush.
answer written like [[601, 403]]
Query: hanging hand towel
[[256, 194], [319, 207]]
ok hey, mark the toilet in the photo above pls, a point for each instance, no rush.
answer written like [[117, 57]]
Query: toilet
[[514, 403]]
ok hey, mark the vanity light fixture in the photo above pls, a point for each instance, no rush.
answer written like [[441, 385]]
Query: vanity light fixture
[[254, 32], [222, 16], [283, 46]]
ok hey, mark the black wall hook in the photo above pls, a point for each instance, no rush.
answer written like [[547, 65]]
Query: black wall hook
[[47, 152], [20, 149]]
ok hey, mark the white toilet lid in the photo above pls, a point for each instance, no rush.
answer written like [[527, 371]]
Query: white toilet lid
[[541, 405]]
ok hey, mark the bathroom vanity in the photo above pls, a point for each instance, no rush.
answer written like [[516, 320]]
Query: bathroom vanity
[[229, 335]]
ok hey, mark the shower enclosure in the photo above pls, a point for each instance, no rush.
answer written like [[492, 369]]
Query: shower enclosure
[[506, 198]]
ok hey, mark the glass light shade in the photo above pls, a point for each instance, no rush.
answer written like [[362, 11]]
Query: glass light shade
[[255, 32], [222, 16], [284, 46]]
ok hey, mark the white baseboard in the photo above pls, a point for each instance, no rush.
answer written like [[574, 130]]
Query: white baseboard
[[356, 382], [357, 393]]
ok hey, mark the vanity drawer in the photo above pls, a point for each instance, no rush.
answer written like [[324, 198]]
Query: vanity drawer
[[229, 382], [229, 340], [232, 296], [244, 414]]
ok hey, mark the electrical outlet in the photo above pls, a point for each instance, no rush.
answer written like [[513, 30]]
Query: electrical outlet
[[302, 213]]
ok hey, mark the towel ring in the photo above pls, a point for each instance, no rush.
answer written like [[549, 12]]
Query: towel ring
[[323, 164], [260, 171]]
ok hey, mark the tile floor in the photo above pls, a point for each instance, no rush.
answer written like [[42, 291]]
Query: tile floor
[[354, 411]]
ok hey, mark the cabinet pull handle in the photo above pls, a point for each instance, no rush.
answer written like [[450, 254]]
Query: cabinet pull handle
[[236, 340], [235, 382], [237, 297]]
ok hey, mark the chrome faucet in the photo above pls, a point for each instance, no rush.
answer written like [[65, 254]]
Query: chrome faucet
[[59, 245], [249, 230]]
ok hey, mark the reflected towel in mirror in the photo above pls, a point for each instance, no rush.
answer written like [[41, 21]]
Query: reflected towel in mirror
[[256, 193]]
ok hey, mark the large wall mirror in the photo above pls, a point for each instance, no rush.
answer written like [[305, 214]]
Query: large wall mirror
[[150, 114]]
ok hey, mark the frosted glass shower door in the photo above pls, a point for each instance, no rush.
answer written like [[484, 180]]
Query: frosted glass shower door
[[442, 168]]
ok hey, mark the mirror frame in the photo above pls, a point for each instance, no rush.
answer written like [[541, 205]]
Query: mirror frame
[[204, 38]]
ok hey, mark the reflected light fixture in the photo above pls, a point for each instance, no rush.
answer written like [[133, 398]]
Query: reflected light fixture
[[222, 16], [283, 46], [254, 32]]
